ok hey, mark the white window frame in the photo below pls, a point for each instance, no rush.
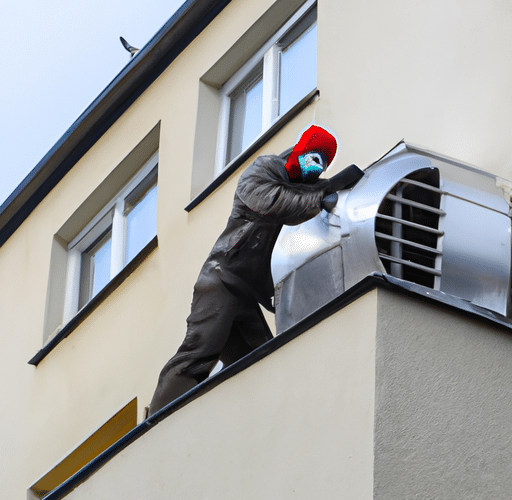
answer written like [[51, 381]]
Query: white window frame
[[112, 216], [270, 54]]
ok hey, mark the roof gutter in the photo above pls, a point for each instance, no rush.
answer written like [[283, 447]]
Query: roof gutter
[[174, 36]]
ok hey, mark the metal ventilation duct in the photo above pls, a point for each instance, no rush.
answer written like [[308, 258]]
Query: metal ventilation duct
[[415, 215]]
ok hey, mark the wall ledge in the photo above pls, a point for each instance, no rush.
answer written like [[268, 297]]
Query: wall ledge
[[365, 286]]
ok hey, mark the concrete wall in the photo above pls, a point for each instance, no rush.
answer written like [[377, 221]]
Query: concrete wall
[[436, 73], [442, 404]]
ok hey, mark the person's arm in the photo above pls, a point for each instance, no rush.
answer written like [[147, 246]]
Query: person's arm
[[264, 189], [345, 179]]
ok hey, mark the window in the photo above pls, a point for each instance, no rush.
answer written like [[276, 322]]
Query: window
[[111, 239], [108, 235], [276, 78]]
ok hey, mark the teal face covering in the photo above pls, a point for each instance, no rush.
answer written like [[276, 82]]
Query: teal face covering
[[312, 164]]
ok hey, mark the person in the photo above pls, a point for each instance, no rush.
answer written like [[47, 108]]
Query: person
[[226, 321]]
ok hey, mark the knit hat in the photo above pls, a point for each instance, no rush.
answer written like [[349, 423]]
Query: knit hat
[[315, 138]]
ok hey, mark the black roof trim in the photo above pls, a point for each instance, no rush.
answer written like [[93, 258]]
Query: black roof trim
[[369, 283], [174, 36]]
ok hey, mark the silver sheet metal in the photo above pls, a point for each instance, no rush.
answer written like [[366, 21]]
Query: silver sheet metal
[[316, 261]]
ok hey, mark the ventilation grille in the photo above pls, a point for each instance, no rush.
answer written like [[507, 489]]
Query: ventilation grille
[[407, 229]]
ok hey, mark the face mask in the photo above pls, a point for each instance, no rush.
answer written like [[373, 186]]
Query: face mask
[[312, 164]]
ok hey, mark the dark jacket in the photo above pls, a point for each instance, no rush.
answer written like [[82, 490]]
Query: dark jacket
[[265, 199]]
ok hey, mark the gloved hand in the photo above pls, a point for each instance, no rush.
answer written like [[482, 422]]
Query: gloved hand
[[329, 202], [344, 179]]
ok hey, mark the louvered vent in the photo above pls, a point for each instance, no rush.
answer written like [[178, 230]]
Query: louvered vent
[[407, 229]]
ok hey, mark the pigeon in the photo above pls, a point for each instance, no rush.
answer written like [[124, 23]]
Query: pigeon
[[128, 47]]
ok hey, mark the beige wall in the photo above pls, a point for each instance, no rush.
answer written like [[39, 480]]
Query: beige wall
[[297, 424], [436, 73], [390, 397]]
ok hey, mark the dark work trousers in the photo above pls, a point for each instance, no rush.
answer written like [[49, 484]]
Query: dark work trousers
[[223, 324]]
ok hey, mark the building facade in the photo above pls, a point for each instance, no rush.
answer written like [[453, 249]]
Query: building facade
[[102, 243]]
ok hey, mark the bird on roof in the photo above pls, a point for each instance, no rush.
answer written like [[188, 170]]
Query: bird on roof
[[128, 47]]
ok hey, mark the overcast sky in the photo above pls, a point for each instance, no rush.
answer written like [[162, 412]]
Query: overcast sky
[[57, 56]]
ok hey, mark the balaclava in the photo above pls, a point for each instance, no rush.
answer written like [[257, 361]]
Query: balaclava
[[304, 167]]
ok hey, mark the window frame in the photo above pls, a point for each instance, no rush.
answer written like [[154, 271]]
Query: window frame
[[249, 81], [269, 54], [112, 217]]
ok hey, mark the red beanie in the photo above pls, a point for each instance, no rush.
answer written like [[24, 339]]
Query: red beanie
[[313, 139]]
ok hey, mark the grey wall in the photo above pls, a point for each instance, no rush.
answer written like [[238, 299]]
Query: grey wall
[[443, 422]]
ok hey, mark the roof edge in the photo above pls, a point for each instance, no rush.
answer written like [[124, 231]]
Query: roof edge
[[174, 36]]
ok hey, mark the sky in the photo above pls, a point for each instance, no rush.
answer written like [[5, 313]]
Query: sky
[[57, 56]]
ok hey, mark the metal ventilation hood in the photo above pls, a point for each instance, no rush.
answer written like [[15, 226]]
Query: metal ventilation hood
[[415, 215]]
